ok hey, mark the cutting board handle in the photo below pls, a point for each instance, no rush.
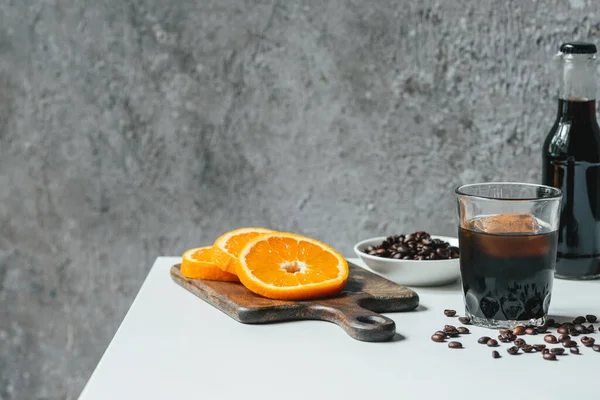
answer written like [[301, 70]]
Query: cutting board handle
[[358, 322]]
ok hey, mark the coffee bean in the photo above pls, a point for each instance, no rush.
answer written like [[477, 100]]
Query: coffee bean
[[449, 328], [563, 329], [527, 348], [518, 330], [504, 339], [573, 332], [590, 328], [440, 333], [495, 354], [569, 343], [542, 329], [449, 313], [531, 331], [412, 247], [492, 343], [580, 328], [519, 343], [587, 341], [557, 350], [539, 347], [455, 345], [591, 318], [579, 320], [545, 351], [464, 320], [550, 339], [563, 338], [462, 330], [483, 339], [512, 350], [574, 350], [549, 357], [438, 338], [596, 347], [505, 331]]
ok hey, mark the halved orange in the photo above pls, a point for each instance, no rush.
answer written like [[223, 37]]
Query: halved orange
[[228, 247], [287, 266], [200, 264]]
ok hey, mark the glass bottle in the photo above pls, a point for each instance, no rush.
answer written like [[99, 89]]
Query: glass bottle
[[571, 162]]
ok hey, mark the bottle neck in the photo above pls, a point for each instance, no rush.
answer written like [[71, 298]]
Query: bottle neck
[[577, 94], [578, 77], [577, 109]]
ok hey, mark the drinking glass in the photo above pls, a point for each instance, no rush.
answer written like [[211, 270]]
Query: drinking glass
[[508, 236]]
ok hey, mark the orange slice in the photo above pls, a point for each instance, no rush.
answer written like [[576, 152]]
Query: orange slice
[[287, 266], [228, 247], [200, 264]]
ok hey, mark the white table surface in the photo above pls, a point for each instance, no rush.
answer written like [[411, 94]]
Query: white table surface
[[172, 345]]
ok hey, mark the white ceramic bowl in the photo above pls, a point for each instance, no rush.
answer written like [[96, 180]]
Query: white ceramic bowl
[[411, 272]]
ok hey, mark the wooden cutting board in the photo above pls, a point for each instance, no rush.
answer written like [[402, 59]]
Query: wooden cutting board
[[355, 309]]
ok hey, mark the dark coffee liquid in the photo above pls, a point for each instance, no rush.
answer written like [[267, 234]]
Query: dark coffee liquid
[[507, 276], [572, 163]]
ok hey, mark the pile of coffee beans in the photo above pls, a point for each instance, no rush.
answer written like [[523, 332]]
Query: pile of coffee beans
[[565, 332], [415, 246]]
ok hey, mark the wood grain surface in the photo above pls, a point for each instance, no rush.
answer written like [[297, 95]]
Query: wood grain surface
[[356, 309]]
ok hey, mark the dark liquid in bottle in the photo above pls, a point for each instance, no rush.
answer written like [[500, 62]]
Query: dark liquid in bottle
[[572, 164], [507, 276]]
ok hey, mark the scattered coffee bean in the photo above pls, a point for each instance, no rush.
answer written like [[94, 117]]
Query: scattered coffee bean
[[545, 351], [492, 343], [557, 351], [574, 350], [504, 339], [569, 343], [596, 347], [542, 329], [563, 338], [527, 348], [573, 332], [519, 330], [531, 330], [455, 345], [539, 347], [438, 338], [462, 330], [591, 318], [483, 339], [550, 339], [464, 320], [519, 343], [449, 313], [579, 320], [505, 331], [549, 357], [512, 350], [440, 333], [580, 328], [590, 328], [588, 341], [413, 247], [449, 328], [563, 329], [495, 354]]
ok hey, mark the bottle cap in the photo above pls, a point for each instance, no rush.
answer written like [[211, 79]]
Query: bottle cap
[[578, 48]]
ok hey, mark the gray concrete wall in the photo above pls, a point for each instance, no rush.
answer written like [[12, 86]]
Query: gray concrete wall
[[133, 129]]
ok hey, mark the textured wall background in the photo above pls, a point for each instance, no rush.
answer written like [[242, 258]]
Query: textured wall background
[[133, 129]]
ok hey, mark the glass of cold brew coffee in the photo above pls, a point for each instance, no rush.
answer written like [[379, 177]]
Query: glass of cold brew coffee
[[508, 238]]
